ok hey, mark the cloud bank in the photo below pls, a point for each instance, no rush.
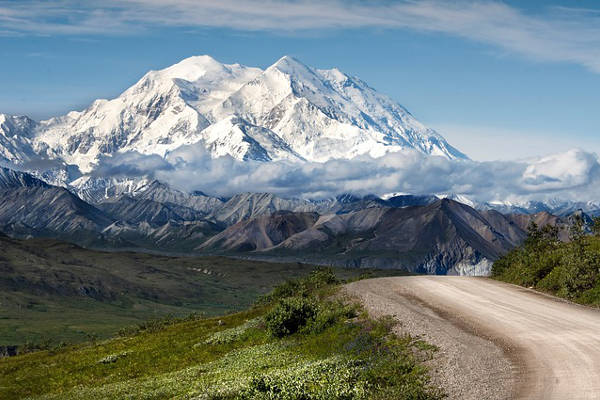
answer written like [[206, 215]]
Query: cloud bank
[[573, 175], [558, 34]]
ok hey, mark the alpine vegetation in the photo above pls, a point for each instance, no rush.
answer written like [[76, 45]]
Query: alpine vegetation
[[302, 341]]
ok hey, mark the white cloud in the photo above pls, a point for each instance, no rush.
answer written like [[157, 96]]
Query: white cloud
[[554, 34], [572, 169], [574, 175]]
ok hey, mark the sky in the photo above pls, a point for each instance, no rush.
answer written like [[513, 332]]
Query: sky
[[500, 80]]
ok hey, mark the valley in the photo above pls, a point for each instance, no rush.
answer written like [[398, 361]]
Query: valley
[[297, 340], [53, 292]]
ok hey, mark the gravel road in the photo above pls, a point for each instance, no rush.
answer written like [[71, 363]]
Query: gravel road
[[496, 341]]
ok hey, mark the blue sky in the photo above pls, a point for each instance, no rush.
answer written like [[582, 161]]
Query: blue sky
[[500, 80]]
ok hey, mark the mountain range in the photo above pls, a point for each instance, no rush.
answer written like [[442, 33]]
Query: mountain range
[[54, 183], [423, 234], [289, 111]]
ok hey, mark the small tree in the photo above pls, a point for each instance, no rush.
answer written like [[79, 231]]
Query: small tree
[[539, 238], [596, 226], [533, 234], [577, 230]]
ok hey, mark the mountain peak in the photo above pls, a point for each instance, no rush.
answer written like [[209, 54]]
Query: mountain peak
[[290, 111], [288, 60], [193, 68], [290, 65]]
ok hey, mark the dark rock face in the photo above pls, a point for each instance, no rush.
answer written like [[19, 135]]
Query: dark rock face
[[32, 208]]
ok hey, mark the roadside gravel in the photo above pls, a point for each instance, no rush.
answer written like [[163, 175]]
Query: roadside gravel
[[467, 366]]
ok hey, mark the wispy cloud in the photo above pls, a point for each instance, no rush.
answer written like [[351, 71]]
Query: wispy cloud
[[558, 34]]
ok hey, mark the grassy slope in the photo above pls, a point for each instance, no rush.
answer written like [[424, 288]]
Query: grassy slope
[[232, 357], [59, 291], [569, 270]]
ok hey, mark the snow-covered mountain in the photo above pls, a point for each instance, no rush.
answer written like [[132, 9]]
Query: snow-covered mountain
[[289, 111], [561, 208], [554, 206], [15, 138], [96, 190], [325, 114]]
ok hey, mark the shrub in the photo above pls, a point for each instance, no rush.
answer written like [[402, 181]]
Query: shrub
[[30, 347], [319, 278], [591, 296], [158, 324], [570, 270], [329, 315], [289, 288], [289, 315]]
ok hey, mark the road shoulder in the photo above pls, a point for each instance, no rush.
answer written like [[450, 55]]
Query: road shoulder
[[467, 365]]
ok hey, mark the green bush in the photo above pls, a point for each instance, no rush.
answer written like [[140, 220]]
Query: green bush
[[566, 269], [318, 279], [329, 315], [157, 324], [289, 288], [290, 315], [321, 277]]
